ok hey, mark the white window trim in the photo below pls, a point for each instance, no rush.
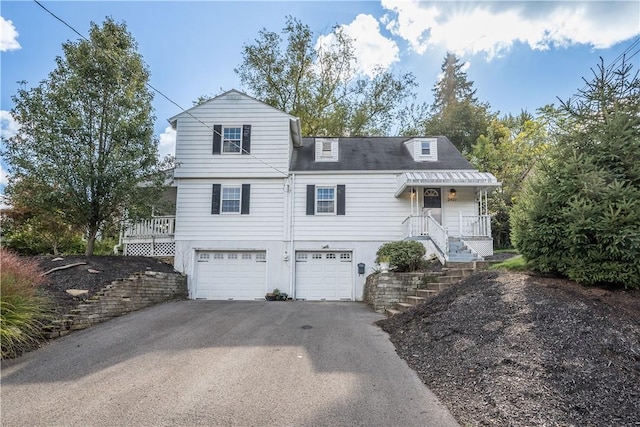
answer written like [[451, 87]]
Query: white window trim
[[222, 139], [222, 188], [335, 199], [322, 155], [415, 146]]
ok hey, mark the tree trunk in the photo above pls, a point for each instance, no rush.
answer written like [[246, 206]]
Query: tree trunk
[[91, 240]]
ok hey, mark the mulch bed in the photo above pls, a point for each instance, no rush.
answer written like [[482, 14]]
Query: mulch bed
[[513, 349], [109, 268]]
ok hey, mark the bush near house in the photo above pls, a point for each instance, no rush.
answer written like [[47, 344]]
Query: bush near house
[[22, 309], [406, 255]]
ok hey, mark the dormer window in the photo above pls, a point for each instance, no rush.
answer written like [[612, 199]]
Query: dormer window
[[326, 149], [425, 146], [423, 149]]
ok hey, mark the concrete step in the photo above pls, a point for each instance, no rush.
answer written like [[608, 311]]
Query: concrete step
[[437, 286], [427, 293], [454, 264], [415, 300], [391, 312], [458, 272], [402, 306], [448, 279]]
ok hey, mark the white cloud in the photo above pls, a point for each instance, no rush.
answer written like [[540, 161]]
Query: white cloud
[[491, 28], [372, 49], [167, 142], [8, 126], [8, 36]]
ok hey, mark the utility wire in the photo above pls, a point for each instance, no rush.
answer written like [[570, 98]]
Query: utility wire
[[158, 91]]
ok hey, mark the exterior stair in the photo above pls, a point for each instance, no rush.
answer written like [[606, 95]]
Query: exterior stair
[[459, 252], [450, 275]]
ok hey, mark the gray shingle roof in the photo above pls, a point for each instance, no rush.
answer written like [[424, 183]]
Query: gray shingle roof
[[377, 153]]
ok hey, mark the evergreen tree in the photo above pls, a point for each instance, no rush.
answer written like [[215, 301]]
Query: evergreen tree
[[456, 113], [580, 214]]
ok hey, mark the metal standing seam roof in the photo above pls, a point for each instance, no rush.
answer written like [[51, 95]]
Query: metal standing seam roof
[[458, 178]]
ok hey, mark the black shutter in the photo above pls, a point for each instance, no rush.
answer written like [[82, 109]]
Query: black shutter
[[341, 199], [215, 199], [246, 196], [311, 199], [217, 139], [246, 139]]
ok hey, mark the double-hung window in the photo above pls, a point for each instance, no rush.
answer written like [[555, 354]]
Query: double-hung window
[[325, 200], [230, 200], [232, 139], [425, 148]]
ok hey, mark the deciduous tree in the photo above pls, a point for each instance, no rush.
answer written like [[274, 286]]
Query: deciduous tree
[[86, 136], [319, 84]]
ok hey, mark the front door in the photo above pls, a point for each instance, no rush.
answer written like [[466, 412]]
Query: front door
[[433, 202]]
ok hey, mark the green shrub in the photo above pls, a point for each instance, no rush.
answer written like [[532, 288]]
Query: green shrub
[[406, 255], [22, 310], [579, 215]]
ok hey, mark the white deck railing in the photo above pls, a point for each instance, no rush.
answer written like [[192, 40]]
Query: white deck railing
[[475, 225], [160, 226]]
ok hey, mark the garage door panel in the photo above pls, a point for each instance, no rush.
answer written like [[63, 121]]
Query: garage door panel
[[324, 275], [231, 275]]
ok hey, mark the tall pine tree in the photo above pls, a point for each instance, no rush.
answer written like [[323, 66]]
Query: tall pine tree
[[456, 113]]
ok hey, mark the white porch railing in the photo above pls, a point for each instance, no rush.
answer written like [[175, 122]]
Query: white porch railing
[[426, 225], [160, 226], [475, 225]]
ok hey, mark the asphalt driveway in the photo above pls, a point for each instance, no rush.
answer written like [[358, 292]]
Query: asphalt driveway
[[214, 363]]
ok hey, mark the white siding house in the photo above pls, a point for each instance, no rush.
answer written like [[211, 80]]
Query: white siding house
[[258, 207]]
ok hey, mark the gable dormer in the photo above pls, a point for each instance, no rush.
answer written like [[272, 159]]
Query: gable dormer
[[423, 149], [326, 149]]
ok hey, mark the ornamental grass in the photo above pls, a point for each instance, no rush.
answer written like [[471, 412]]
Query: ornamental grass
[[23, 309]]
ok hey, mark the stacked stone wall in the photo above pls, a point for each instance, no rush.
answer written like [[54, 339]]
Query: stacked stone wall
[[383, 290], [121, 297]]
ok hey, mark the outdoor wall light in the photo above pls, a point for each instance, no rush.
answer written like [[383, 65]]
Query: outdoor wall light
[[453, 195]]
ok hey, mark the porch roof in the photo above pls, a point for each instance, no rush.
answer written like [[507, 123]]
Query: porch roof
[[483, 180]]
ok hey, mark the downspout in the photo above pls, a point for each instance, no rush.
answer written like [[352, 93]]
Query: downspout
[[292, 255]]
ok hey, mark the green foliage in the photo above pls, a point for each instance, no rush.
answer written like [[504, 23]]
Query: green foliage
[[405, 255], [319, 83], [509, 149], [455, 112], [86, 136], [516, 263], [580, 214], [22, 311]]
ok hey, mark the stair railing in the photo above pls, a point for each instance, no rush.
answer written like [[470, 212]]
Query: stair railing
[[439, 235]]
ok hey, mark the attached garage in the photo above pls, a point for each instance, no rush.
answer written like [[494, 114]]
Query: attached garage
[[225, 275], [324, 276]]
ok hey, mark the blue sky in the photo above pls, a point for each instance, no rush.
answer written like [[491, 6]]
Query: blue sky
[[520, 55]]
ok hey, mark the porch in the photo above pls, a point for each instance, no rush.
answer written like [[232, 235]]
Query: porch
[[152, 237], [473, 242], [448, 211]]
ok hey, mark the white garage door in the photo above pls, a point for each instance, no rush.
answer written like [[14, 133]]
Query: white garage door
[[324, 276], [234, 275]]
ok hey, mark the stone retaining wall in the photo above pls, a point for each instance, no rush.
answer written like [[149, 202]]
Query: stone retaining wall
[[121, 297], [383, 290]]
